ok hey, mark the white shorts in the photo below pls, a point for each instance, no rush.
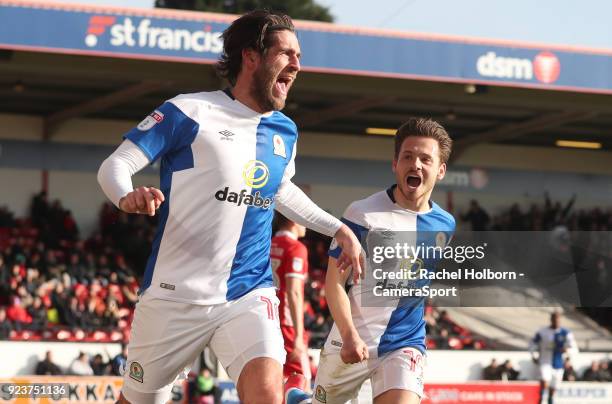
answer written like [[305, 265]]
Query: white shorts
[[550, 375], [338, 382], [167, 337]]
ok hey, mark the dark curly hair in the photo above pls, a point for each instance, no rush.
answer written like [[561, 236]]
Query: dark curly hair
[[253, 30]]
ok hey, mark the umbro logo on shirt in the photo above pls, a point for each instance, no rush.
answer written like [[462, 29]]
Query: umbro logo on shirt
[[227, 135]]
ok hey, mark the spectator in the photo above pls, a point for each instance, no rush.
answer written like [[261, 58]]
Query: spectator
[[111, 316], [99, 367], [76, 270], [6, 325], [491, 372], [40, 208], [205, 387], [477, 216], [442, 339], [76, 315], [38, 313], [569, 374], [47, 367], [118, 363], [604, 372], [507, 371], [592, 373], [80, 366], [5, 277], [18, 314]]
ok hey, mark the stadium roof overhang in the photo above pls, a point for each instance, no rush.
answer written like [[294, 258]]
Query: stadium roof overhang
[[66, 61]]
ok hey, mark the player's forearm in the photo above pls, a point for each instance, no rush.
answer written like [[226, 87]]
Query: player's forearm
[[296, 310], [115, 173], [294, 204], [338, 301]]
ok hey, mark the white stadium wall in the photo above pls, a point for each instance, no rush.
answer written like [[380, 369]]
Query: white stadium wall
[[21, 358], [443, 366], [17, 187], [361, 164], [457, 366]]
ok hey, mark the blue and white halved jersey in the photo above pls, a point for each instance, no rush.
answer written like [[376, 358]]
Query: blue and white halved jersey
[[390, 326], [221, 167], [552, 344]]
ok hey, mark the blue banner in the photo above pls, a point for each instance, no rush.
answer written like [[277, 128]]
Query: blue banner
[[196, 38]]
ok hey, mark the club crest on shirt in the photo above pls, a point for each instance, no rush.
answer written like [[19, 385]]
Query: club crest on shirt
[[279, 146], [321, 394], [154, 118], [136, 371]]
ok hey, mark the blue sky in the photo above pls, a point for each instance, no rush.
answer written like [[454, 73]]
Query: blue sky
[[564, 22]]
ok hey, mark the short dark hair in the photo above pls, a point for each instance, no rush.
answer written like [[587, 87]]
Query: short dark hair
[[424, 127], [281, 221], [253, 30]]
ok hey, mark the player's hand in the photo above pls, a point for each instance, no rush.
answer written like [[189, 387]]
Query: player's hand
[[351, 253], [353, 350], [143, 200], [299, 350]]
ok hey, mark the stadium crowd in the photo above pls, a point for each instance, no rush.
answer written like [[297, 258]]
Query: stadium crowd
[[56, 285], [598, 371], [591, 243], [84, 365]]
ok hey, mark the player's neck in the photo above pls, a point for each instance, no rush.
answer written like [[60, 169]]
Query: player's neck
[[242, 93], [419, 204]]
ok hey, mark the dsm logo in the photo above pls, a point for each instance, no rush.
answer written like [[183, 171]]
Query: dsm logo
[[545, 67], [142, 34]]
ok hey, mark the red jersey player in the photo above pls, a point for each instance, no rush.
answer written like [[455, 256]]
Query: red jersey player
[[289, 259]]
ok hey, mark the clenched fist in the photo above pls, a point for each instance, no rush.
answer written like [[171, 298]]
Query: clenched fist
[[142, 200]]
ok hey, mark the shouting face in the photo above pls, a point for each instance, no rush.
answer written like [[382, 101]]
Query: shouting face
[[417, 168], [276, 72]]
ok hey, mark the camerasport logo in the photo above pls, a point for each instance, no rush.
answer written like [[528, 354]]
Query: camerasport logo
[[143, 34], [545, 66]]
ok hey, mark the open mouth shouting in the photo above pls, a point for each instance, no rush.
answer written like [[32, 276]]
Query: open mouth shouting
[[283, 83], [413, 181]]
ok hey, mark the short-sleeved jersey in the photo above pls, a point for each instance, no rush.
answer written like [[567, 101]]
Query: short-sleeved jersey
[[552, 344], [221, 166], [289, 260], [393, 326]]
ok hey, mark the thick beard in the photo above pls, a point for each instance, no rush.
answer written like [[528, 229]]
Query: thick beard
[[264, 80]]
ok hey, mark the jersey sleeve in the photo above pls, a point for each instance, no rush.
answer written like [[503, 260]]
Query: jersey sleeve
[[163, 131], [290, 169], [297, 262], [355, 220], [572, 346], [534, 343]]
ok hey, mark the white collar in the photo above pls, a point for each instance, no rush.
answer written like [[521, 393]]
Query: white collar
[[286, 233]]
